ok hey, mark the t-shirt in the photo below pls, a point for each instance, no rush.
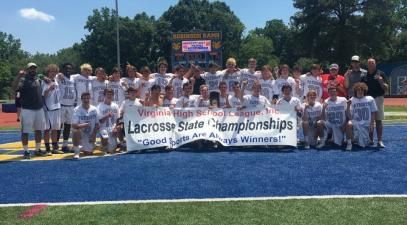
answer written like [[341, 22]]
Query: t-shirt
[[250, 101], [374, 88], [212, 80], [170, 103], [51, 101], [246, 75], [200, 102], [82, 115], [313, 111], [119, 91], [144, 87], [292, 102], [104, 109], [177, 84], [162, 80], [126, 104], [335, 111], [186, 102], [280, 82], [67, 90], [30, 92], [267, 88], [361, 109], [310, 82], [98, 88], [354, 77], [82, 84], [230, 79], [329, 81], [234, 101], [130, 82]]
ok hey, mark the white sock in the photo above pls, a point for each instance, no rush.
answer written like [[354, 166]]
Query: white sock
[[37, 146], [25, 147]]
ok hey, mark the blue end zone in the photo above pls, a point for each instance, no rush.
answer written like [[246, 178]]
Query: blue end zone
[[242, 172]]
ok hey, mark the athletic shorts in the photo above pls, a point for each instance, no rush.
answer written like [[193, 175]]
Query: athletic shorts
[[66, 114], [85, 145], [53, 119], [111, 139], [32, 120], [312, 130], [380, 107], [360, 133], [337, 133]]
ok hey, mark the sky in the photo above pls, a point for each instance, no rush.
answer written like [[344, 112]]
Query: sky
[[46, 26]]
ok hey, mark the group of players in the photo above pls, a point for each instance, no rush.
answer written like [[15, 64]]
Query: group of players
[[91, 106]]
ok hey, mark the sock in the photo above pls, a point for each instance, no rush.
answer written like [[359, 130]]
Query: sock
[[55, 146], [37, 146], [349, 141], [25, 147], [65, 143], [47, 148]]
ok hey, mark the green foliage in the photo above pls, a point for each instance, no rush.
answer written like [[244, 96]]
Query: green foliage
[[258, 47], [305, 63]]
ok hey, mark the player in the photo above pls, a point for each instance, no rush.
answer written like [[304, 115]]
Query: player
[[311, 119], [312, 81], [144, 84], [203, 99], [187, 100], [283, 79], [267, 83], [236, 99], [85, 126], [83, 81], [334, 117], [162, 78], [177, 81], [154, 98], [98, 86], [169, 100], [250, 75], [362, 113], [231, 74], [255, 100], [108, 113], [213, 78], [117, 86], [52, 108]]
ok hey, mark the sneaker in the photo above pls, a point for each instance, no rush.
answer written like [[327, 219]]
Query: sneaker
[[66, 149], [371, 144], [40, 153], [306, 145], [321, 144], [76, 154], [49, 153], [380, 144], [27, 155], [57, 151], [348, 146]]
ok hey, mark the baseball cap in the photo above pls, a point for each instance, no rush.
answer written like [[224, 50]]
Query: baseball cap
[[31, 64], [355, 58], [334, 66]]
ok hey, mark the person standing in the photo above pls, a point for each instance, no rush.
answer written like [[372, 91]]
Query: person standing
[[32, 113], [353, 75], [377, 84], [333, 79]]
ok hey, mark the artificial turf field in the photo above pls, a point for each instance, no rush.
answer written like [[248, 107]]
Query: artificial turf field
[[231, 173]]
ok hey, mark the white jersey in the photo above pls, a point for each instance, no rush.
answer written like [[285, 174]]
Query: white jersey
[[293, 102], [177, 85], [267, 87], [280, 82], [246, 75], [230, 79], [310, 82], [144, 87], [212, 80], [82, 84], [51, 101], [118, 89], [126, 104], [335, 111], [104, 109], [251, 101], [234, 101], [129, 82], [67, 91], [185, 102], [361, 109], [82, 115], [161, 80], [314, 112], [200, 102], [170, 103], [98, 88]]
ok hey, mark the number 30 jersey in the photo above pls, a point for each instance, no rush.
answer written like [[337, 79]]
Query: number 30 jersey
[[361, 109]]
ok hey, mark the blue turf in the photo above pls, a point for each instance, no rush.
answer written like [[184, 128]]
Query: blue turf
[[211, 174]]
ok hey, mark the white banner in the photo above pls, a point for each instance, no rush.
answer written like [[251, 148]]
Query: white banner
[[150, 127], [196, 46]]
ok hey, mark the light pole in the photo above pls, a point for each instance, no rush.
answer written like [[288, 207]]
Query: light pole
[[117, 34]]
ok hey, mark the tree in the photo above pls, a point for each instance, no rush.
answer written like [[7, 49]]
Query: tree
[[259, 47]]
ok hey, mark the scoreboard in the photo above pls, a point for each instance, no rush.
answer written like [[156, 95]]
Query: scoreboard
[[199, 48]]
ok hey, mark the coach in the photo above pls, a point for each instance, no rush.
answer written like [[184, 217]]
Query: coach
[[377, 84], [32, 112]]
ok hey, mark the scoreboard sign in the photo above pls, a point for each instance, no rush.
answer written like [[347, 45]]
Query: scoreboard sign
[[199, 48]]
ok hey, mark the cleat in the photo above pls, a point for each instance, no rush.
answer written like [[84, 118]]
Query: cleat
[[57, 152], [27, 155], [49, 153], [380, 144], [321, 144], [306, 146], [66, 149], [40, 153], [76, 154], [349, 147]]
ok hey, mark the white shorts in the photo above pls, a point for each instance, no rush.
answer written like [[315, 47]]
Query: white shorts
[[53, 119], [32, 120], [360, 133], [337, 133], [111, 139], [66, 114], [312, 130], [85, 145]]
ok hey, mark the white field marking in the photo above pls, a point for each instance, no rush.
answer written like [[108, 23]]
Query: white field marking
[[192, 200]]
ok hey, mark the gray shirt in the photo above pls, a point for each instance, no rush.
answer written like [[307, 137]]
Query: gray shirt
[[30, 92], [355, 77]]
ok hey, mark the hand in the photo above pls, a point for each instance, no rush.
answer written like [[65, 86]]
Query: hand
[[21, 73]]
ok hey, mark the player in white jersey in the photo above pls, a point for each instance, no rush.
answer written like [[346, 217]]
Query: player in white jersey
[[187, 100], [67, 98], [162, 78], [255, 100], [52, 108], [98, 86], [178, 80], [311, 119], [203, 99], [267, 83], [108, 113], [85, 126], [169, 100], [362, 113], [212, 78], [117, 86], [144, 84], [223, 101], [83, 81], [297, 91], [231, 74], [236, 99], [283, 79], [312, 81], [334, 117], [132, 77], [250, 75]]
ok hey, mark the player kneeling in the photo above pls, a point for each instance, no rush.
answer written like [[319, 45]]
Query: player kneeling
[[85, 125], [311, 120], [108, 112], [362, 113]]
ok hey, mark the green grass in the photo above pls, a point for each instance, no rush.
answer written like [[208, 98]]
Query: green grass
[[323, 211], [10, 128], [395, 108]]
